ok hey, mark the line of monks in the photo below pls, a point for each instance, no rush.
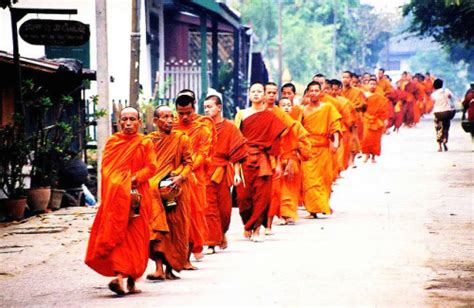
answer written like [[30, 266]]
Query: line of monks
[[167, 195]]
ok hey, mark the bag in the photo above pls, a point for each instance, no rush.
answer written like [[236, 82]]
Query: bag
[[135, 201], [468, 126], [445, 115], [168, 193]]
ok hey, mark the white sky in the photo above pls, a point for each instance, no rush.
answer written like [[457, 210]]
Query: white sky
[[385, 5]]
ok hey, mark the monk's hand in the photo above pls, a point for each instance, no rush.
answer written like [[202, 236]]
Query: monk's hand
[[237, 180], [334, 146], [134, 181], [277, 171], [176, 179], [290, 170]]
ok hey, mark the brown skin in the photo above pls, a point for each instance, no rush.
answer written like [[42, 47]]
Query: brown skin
[[372, 86], [346, 80], [271, 93], [288, 92], [213, 110], [335, 90], [380, 75], [185, 114]]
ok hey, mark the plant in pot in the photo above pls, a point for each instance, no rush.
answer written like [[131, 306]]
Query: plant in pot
[[14, 149]]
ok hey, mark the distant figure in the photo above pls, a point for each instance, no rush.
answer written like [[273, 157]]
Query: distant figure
[[443, 112], [468, 105]]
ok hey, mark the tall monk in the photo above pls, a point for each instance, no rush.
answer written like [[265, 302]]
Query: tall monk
[[322, 121], [357, 99], [172, 152], [223, 171], [289, 90], [383, 82], [262, 129], [199, 129], [295, 147], [118, 243], [374, 117]]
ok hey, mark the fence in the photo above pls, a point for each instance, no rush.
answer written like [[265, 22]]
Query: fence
[[180, 76]]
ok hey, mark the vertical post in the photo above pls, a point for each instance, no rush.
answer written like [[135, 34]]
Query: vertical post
[[280, 44], [334, 38], [135, 54], [19, 108], [203, 30], [236, 76], [161, 51], [215, 55], [103, 124]]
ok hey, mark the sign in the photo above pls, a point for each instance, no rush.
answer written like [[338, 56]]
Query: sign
[[54, 32]]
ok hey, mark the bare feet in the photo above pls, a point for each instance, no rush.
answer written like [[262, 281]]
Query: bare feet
[[247, 234], [224, 243], [156, 276], [189, 267], [268, 231], [290, 221], [171, 276], [198, 256], [312, 216], [116, 286], [131, 286], [210, 250]]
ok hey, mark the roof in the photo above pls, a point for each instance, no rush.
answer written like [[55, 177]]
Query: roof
[[49, 66], [406, 44], [227, 14]]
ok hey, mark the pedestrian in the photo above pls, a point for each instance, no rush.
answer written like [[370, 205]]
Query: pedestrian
[[443, 112], [119, 238]]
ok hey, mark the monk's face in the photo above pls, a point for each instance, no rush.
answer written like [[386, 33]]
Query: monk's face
[[365, 79], [321, 80], [372, 85], [314, 91], [288, 92], [129, 121], [354, 81], [285, 104], [380, 74], [185, 113], [164, 121], [346, 79], [256, 93], [271, 94], [335, 90], [211, 108]]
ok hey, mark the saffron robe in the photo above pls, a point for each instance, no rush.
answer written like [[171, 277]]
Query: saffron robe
[[385, 85], [172, 153], [318, 170], [201, 134], [374, 117], [261, 130], [229, 149], [117, 243], [357, 99]]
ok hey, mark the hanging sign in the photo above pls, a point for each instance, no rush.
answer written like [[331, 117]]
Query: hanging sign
[[54, 32]]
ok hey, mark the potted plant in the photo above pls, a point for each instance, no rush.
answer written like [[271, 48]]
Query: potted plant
[[14, 150]]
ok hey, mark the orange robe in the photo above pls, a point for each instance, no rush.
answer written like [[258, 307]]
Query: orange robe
[[261, 130], [200, 133], [385, 85], [229, 149], [295, 147], [348, 122], [374, 117], [117, 243], [172, 154], [357, 99], [317, 171]]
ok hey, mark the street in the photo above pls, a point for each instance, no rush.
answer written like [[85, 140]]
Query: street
[[401, 235]]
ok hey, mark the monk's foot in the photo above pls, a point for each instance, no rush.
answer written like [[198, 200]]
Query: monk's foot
[[373, 161], [290, 221], [156, 276], [116, 286], [445, 147], [268, 231], [224, 243], [248, 234], [171, 276], [189, 267], [366, 158], [210, 250], [282, 222], [198, 256], [256, 238], [312, 216], [131, 286]]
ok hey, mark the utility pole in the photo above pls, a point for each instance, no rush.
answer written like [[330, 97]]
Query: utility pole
[[103, 123], [280, 44], [135, 54], [334, 38], [161, 51]]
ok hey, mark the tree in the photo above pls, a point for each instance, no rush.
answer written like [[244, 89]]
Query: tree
[[449, 22]]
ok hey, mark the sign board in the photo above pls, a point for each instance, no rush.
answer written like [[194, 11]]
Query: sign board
[[54, 32]]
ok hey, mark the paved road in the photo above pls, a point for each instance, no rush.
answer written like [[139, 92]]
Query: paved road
[[402, 234]]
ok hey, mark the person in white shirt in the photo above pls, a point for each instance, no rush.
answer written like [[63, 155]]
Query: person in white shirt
[[443, 111]]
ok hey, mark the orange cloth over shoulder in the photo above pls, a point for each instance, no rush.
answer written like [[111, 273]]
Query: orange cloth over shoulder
[[374, 117], [117, 243]]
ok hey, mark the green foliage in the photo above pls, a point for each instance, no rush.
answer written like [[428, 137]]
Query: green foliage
[[439, 65]]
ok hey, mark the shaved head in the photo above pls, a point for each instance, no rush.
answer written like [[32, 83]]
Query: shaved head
[[130, 109]]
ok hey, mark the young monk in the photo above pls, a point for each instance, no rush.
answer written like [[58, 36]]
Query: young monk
[[322, 121], [295, 147], [289, 90], [262, 129], [383, 82], [374, 117], [118, 243], [223, 171], [172, 153]]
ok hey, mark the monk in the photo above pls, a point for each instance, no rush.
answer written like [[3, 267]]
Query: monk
[[374, 117], [322, 121], [398, 99], [118, 242], [383, 82], [295, 147], [289, 90], [200, 130], [262, 129], [321, 78], [173, 162], [223, 171], [357, 99]]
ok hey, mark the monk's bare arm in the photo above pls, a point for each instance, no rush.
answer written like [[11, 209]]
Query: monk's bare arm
[[205, 143], [149, 168]]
